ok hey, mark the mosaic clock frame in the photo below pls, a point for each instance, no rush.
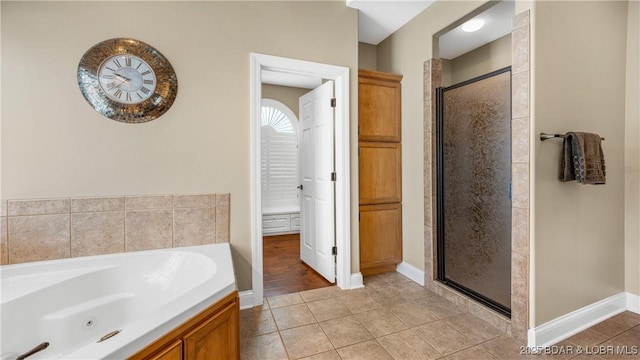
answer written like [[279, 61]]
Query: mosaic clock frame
[[127, 80]]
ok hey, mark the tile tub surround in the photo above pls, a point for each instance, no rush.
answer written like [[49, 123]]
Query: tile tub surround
[[394, 318], [48, 229], [518, 325]]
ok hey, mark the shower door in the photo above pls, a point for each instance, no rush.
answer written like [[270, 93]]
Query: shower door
[[473, 183]]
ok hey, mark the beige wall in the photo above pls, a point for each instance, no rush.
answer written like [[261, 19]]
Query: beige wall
[[485, 59], [579, 79], [404, 53], [285, 94], [632, 152], [55, 145], [367, 56]]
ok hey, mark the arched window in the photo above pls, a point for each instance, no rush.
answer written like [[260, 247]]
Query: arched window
[[279, 157]]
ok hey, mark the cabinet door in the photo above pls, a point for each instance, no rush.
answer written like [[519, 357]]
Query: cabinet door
[[379, 106], [273, 224], [295, 222], [380, 179], [215, 339], [171, 352], [380, 238]]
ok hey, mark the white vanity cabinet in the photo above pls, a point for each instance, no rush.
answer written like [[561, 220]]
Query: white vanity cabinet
[[280, 222]]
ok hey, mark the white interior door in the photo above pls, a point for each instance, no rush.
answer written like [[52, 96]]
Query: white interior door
[[317, 235]]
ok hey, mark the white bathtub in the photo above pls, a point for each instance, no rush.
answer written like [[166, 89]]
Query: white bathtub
[[72, 303]]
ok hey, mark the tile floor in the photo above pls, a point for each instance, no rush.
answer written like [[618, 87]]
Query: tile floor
[[394, 318]]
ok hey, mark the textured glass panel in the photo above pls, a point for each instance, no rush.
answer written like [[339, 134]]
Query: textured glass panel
[[477, 173]]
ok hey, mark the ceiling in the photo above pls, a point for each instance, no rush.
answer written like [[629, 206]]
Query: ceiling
[[497, 24], [377, 19]]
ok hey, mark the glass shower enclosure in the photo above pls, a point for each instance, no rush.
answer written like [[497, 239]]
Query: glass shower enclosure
[[473, 184]]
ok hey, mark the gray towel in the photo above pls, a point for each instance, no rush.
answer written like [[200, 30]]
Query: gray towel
[[583, 159]]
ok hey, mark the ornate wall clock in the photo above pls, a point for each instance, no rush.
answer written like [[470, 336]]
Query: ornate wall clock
[[127, 80]]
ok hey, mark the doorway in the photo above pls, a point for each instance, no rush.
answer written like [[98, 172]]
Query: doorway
[[288, 233], [266, 65]]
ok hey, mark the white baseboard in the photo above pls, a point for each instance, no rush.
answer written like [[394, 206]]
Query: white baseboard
[[356, 281], [633, 303], [572, 323], [412, 272], [246, 299]]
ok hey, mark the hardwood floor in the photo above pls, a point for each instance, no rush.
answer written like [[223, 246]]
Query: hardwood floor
[[284, 272]]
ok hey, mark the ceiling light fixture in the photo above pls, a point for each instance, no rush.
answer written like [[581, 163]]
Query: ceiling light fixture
[[473, 25]]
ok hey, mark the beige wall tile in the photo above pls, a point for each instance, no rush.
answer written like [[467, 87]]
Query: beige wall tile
[[453, 296], [35, 238], [97, 204], [519, 275], [520, 20], [520, 185], [194, 227], [520, 50], [38, 207], [148, 229], [520, 230], [426, 81], [4, 246], [223, 199], [520, 95], [222, 223], [491, 317], [3, 208], [428, 220], [148, 202], [194, 201], [519, 318], [97, 233], [520, 140]]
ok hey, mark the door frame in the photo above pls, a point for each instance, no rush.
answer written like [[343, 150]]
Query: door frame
[[342, 212]]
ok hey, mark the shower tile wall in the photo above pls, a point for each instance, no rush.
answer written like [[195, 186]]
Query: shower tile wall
[[34, 230], [517, 326]]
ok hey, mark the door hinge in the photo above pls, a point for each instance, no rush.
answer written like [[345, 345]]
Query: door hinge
[[333, 102], [334, 250], [333, 176]]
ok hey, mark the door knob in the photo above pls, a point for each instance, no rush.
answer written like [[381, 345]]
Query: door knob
[[300, 187]]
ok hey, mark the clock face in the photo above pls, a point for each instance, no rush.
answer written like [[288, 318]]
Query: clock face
[[127, 79]]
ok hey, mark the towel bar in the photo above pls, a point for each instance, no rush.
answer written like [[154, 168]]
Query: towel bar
[[545, 136]]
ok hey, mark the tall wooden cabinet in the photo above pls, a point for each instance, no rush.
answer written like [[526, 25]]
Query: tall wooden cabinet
[[380, 171]]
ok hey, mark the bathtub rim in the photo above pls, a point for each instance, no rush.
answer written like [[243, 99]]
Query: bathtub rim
[[142, 331]]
